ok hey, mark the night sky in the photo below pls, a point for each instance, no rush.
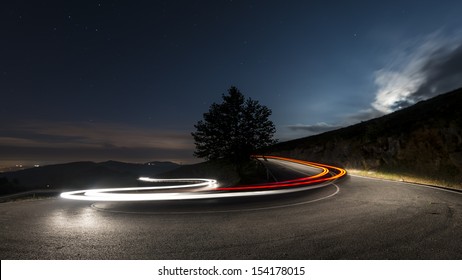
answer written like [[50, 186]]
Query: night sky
[[127, 80]]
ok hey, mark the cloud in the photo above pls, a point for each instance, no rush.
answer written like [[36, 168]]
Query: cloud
[[363, 115], [68, 141], [92, 135], [314, 128], [48, 155], [419, 70], [424, 69]]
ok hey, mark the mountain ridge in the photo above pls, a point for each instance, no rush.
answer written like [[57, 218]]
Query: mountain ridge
[[80, 174], [422, 143]]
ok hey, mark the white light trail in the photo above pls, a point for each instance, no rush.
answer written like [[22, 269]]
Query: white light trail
[[192, 188], [113, 194]]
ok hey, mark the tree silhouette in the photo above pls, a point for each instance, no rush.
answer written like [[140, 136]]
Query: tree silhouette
[[233, 129]]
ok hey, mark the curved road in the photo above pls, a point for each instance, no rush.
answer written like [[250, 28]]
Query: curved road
[[354, 218]]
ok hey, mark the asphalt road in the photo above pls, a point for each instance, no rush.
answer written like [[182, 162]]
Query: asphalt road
[[354, 218]]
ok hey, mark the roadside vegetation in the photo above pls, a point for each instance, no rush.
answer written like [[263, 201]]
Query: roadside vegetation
[[421, 143]]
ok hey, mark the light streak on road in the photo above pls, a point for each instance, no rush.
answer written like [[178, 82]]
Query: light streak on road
[[208, 188], [318, 178], [119, 194]]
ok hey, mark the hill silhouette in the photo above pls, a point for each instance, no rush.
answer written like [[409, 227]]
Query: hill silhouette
[[78, 175], [421, 143]]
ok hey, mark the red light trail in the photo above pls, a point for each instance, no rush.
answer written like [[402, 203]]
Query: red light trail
[[208, 188]]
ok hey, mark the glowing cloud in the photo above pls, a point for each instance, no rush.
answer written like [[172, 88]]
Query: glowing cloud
[[421, 70]]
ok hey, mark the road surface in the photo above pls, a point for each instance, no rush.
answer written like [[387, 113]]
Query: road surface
[[353, 218]]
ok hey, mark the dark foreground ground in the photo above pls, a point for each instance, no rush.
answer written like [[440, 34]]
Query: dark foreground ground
[[356, 218]]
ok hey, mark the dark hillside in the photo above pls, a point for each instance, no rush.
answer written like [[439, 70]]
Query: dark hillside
[[422, 142], [221, 170], [78, 175]]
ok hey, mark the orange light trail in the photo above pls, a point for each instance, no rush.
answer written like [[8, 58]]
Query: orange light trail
[[208, 189], [323, 176]]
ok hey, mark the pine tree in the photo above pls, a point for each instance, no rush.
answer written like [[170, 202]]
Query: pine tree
[[233, 129]]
